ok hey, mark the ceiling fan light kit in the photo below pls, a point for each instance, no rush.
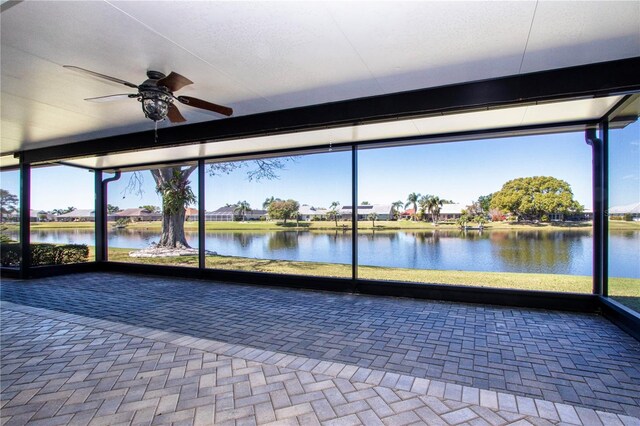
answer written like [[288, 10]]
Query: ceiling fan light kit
[[155, 105], [156, 95]]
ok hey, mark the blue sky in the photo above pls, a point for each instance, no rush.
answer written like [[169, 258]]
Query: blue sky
[[459, 171], [624, 165]]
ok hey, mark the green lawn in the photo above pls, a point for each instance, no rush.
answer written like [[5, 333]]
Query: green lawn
[[624, 287]]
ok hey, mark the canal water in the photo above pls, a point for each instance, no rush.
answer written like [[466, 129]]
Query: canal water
[[557, 252]]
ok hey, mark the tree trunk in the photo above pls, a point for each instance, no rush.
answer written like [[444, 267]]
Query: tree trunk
[[173, 230]]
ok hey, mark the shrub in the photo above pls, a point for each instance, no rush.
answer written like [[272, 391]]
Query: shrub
[[122, 221], [9, 254], [627, 217], [44, 254]]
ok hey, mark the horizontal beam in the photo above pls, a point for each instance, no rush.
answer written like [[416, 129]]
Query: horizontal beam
[[600, 79], [534, 129]]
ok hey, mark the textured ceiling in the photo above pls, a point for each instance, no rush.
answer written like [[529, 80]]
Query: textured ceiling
[[263, 56]]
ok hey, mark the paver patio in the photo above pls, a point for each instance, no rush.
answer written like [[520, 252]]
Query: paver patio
[[112, 348]]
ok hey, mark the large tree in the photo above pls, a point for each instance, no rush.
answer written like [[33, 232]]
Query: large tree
[[484, 201], [8, 203], [283, 209], [535, 197], [172, 183]]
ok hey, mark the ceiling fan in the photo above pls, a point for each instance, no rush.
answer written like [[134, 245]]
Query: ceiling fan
[[156, 95]]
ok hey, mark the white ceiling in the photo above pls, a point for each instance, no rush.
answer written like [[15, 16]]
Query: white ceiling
[[263, 56]]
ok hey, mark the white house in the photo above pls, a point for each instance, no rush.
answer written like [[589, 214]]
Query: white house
[[78, 215], [631, 209], [308, 212], [138, 214], [228, 214], [383, 211], [451, 211]]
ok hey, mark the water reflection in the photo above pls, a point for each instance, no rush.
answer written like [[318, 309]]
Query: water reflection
[[508, 251], [547, 251], [63, 236], [283, 240]]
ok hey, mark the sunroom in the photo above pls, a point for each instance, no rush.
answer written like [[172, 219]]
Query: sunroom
[[455, 107]]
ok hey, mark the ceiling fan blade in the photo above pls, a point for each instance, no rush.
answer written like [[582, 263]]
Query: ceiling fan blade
[[174, 81], [111, 98], [199, 103], [174, 114], [96, 74]]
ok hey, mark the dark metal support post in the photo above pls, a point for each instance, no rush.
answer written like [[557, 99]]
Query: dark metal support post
[[201, 215], [102, 251], [598, 208], [25, 219], [354, 216], [99, 216], [604, 136]]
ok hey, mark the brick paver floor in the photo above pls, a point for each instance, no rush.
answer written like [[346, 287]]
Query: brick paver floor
[[171, 350]]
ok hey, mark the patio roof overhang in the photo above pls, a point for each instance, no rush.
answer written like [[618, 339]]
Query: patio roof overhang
[[563, 99]]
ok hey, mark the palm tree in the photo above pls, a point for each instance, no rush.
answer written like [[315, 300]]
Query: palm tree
[[434, 206], [150, 208], [413, 199], [463, 220], [333, 212], [110, 209], [242, 207], [396, 208], [268, 201], [372, 217], [424, 205]]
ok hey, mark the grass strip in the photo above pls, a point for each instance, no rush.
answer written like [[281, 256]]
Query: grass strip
[[627, 288]]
